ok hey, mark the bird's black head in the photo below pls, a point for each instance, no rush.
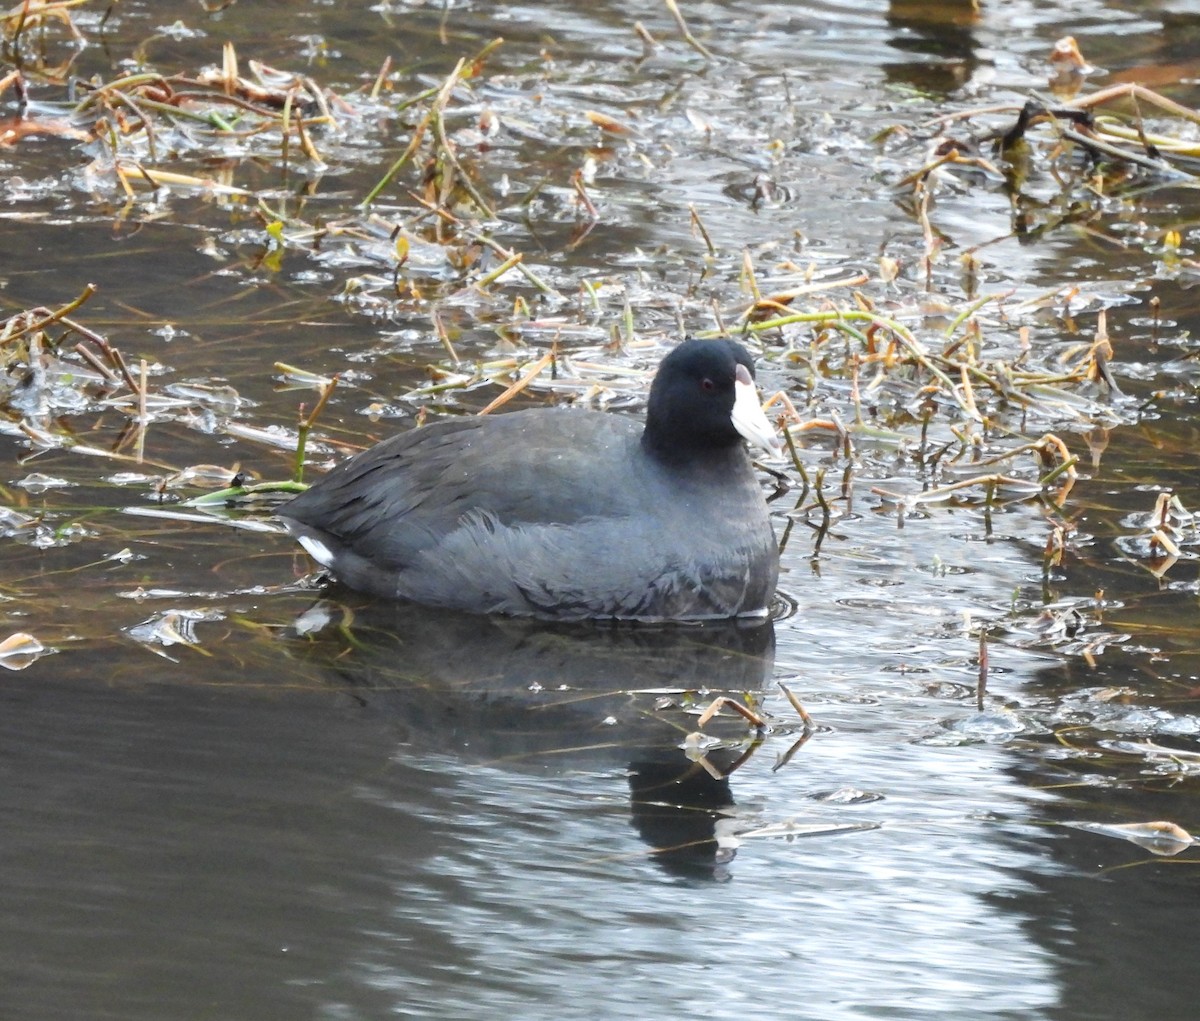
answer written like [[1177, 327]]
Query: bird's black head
[[703, 399]]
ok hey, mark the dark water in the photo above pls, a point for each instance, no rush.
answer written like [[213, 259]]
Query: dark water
[[452, 818]]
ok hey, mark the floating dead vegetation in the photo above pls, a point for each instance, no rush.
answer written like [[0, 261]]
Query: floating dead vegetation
[[1058, 158], [962, 399], [140, 130], [65, 387], [56, 366], [958, 388], [442, 256], [959, 412], [140, 119], [20, 650], [1162, 535], [174, 627], [972, 401], [143, 133], [1160, 837], [958, 399], [36, 33]]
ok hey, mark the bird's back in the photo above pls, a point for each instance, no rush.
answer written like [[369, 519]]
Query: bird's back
[[550, 512]]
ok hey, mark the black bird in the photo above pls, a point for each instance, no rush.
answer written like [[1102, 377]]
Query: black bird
[[564, 513]]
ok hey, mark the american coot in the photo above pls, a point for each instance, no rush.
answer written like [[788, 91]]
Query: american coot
[[561, 513]]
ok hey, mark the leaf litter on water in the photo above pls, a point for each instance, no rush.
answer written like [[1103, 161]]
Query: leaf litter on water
[[20, 650], [1161, 837]]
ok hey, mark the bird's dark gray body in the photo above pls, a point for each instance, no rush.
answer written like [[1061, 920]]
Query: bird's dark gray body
[[553, 513]]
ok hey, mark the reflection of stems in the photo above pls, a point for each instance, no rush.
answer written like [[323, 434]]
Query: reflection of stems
[[981, 686], [140, 446], [737, 764], [822, 529], [805, 480], [819, 493], [787, 756]]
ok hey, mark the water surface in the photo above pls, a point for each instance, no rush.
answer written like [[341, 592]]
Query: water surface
[[220, 805]]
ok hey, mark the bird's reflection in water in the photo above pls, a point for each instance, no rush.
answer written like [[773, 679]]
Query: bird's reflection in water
[[679, 809], [528, 695], [933, 44]]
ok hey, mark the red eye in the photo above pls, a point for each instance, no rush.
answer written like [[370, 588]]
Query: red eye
[[707, 385]]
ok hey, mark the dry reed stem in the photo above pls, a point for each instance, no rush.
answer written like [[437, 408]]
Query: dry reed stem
[[780, 300], [795, 703], [701, 229], [724, 701], [520, 384], [686, 32], [445, 147]]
